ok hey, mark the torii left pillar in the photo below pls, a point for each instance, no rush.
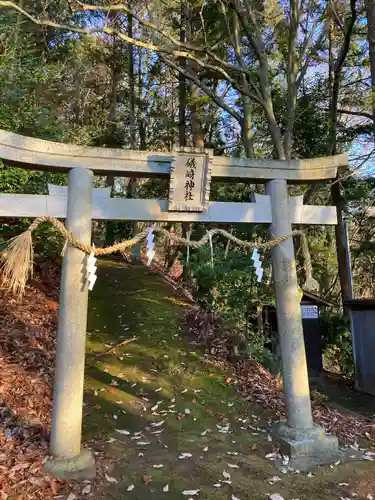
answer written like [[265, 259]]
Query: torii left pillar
[[68, 460]]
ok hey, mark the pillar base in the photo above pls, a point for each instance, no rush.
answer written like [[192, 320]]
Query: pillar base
[[306, 448], [79, 467]]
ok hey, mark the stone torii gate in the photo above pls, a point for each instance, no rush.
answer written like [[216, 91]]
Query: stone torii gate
[[190, 172]]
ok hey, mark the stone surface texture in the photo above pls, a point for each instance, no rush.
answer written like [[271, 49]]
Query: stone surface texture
[[71, 332]]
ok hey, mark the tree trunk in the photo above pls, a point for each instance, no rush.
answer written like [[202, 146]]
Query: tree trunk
[[111, 139], [343, 263], [132, 116], [291, 78], [336, 195], [370, 12], [247, 133], [132, 187], [194, 94], [142, 129], [182, 88]]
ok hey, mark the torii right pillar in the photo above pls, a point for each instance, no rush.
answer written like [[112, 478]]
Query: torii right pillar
[[304, 442]]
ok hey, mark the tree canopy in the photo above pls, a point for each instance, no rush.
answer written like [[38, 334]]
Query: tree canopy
[[276, 79]]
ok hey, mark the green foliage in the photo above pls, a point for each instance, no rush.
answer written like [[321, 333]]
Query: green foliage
[[228, 288], [338, 341]]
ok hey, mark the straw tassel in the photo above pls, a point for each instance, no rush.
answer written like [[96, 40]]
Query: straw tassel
[[16, 263]]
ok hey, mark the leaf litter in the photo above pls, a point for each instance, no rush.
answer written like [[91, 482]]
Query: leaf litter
[[257, 385], [27, 354]]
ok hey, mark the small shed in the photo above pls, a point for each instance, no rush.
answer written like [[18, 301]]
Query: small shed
[[311, 306], [362, 313]]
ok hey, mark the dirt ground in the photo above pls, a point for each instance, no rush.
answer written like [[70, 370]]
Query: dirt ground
[[162, 421]]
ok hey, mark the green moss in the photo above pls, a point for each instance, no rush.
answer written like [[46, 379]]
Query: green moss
[[161, 367]]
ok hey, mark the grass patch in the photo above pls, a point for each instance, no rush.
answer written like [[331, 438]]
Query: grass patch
[[161, 377]]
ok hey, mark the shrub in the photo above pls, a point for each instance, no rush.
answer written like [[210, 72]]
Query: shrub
[[337, 342], [227, 288]]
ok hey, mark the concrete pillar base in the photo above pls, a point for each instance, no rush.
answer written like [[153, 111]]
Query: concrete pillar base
[[79, 467], [307, 448]]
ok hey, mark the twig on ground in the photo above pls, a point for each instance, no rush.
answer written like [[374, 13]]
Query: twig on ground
[[120, 344]]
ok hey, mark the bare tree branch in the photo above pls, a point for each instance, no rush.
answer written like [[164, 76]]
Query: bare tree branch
[[249, 21], [363, 114], [215, 98], [219, 68]]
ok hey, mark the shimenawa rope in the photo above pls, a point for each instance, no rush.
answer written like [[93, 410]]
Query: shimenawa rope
[[17, 259]]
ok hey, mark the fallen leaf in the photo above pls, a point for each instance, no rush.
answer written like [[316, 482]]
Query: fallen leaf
[[272, 456], [158, 466], [53, 485], [86, 490], [71, 497], [166, 488], [123, 431], [273, 479], [110, 479], [235, 498], [233, 466], [254, 447], [276, 496], [185, 455], [157, 424], [19, 467], [205, 448], [130, 488], [190, 492], [187, 411], [147, 479], [226, 475]]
